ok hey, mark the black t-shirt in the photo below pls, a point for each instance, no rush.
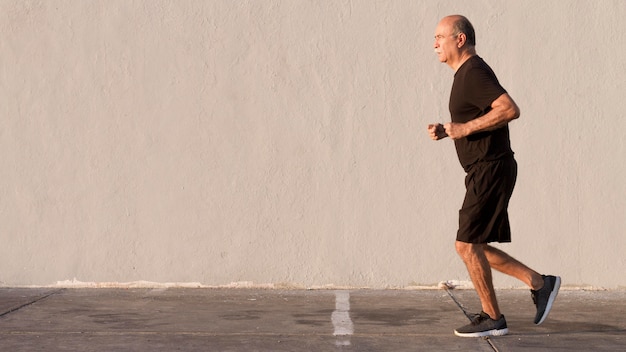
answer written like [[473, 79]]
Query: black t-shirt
[[475, 87]]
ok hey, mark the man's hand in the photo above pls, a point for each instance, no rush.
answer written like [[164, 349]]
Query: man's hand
[[436, 131], [456, 130]]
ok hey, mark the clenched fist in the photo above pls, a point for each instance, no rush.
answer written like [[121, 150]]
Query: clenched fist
[[436, 131]]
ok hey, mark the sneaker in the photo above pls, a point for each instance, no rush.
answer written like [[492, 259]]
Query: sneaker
[[483, 325], [544, 297]]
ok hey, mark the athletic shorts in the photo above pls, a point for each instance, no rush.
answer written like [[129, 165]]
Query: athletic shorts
[[484, 218]]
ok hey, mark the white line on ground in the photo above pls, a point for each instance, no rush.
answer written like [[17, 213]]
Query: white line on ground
[[344, 327]]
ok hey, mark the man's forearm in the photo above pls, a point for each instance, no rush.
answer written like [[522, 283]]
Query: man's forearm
[[488, 122], [503, 111]]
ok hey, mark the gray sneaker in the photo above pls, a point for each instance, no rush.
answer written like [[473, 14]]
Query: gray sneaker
[[544, 297], [483, 325]]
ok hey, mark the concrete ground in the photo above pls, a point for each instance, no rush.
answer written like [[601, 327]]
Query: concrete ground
[[44, 319]]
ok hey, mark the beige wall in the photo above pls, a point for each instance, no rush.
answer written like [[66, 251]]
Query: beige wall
[[284, 142]]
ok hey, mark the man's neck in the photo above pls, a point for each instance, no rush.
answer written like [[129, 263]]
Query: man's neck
[[465, 55]]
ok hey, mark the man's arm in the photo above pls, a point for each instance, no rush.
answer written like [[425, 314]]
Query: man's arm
[[503, 110]]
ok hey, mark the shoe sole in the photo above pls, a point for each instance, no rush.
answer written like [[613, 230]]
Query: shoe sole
[[494, 332], [553, 294]]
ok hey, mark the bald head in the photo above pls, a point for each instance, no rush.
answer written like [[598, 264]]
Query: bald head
[[460, 24], [454, 40]]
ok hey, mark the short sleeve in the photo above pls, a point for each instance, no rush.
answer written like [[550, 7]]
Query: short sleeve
[[482, 87]]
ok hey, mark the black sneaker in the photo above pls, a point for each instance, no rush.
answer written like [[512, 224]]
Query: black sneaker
[[483, 325], [544, 297]]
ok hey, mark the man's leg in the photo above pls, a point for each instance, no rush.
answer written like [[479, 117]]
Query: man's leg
[[544, 288], [479, 269], [508, 265]]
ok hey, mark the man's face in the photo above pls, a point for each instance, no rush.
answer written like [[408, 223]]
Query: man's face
[[445, 41]]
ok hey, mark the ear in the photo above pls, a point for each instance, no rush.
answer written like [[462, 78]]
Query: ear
[[461, 39]]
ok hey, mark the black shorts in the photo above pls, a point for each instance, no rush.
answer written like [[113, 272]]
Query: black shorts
[[483, 217]]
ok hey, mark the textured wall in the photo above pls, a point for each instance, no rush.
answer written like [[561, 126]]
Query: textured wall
[[284, 141]]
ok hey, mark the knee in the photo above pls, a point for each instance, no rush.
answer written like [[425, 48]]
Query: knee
[[462, 248], [467, 250]]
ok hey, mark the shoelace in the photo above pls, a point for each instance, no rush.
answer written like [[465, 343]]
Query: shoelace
[[477, 318]]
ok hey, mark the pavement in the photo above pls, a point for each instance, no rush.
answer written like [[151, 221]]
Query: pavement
[[201, 319]]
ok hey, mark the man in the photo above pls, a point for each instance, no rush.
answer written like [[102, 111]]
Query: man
[[481, 110]]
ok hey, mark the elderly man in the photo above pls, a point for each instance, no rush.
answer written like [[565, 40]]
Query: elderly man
[[481, 111]]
